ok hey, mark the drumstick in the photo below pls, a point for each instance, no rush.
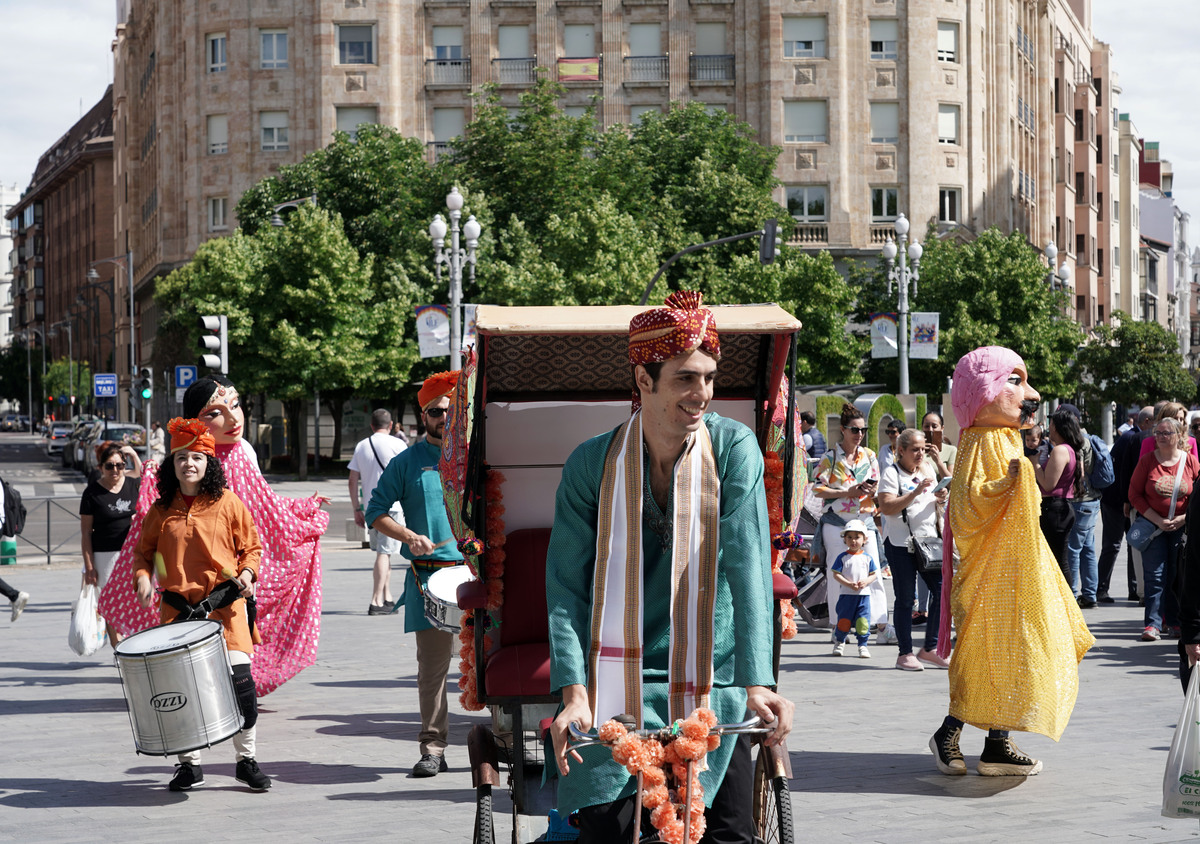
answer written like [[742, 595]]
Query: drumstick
[[443, 542]]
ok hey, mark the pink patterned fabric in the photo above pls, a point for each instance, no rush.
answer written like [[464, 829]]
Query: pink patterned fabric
[[289, 588]]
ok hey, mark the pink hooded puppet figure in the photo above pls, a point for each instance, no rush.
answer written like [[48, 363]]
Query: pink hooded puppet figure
[[1021, 634]]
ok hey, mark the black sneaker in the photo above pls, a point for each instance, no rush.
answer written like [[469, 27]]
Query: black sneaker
[[1104, 598], [375, 609], [1002, 758], [944, 745], [187, 776], [1086, 603], [429, 766], [248, 772]]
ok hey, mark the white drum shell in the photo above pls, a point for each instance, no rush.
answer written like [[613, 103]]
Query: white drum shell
[[178, 687], [441, 597]]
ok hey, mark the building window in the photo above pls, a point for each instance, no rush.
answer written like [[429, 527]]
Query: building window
[[948, 124], [1080, 199], [274, 126], [1099, 262], [1116, 210], [884, 202], [215, 51], [884, 36], [885, 123], [447, 42], [806, 203], [218, 134], [349, 118], [579, 40], [448, 123], [949, 203], [217, 206], [804, 38], [637, 112], [356, 43], [806, 121], [575, 111], [1081, 246], [947, 42], [1100, 207], [645, 39], [1079, 124], [274, 49]]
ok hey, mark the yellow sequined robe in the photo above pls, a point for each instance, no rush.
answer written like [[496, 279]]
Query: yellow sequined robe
[[1021, 634]]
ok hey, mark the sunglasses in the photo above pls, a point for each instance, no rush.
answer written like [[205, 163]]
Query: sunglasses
[[436, 412], [854, 430], [115, 467]]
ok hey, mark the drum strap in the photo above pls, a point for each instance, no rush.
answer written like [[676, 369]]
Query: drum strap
[[222, 596]]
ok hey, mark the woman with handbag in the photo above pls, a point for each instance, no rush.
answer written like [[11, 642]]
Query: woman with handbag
[[1159, 491], [1060, 480], [845, 480], [912, 543]]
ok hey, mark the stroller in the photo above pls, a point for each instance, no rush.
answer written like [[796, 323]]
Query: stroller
[[808, 575]]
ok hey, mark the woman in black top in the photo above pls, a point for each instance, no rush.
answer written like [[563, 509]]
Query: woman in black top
[[105, 511]]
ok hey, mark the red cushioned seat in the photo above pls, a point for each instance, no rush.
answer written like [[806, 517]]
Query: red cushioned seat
[[519, 671], [785, 588]]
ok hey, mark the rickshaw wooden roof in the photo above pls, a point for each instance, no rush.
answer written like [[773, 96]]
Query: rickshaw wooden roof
[[614, 319], [543, 353]]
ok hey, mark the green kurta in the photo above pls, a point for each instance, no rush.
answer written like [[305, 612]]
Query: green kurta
[[743, 601]]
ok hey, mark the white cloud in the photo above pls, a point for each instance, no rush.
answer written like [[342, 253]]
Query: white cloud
[[55, 61]]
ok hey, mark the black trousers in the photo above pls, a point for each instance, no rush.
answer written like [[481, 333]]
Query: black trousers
[[8, 592], [729, 820], [1113, 527]]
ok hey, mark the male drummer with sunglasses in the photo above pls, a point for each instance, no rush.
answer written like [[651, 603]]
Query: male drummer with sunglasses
[[412, 479]]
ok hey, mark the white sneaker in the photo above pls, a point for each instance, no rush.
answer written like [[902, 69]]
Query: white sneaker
[[863, 653], [18, 606], [886, 636], [839, 649]]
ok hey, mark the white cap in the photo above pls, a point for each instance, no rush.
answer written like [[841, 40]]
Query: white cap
[[855, 525]]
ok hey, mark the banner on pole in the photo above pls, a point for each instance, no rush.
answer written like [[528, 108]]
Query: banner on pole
[[923, 340], [433, 331], [468, 329], [883, 335]]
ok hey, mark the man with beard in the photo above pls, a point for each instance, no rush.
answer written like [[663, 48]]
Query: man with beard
[[412, 479], [1021, 634]]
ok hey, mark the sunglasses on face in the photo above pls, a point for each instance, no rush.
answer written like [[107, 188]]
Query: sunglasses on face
[[114, 467], [854, 430], [436, 412]]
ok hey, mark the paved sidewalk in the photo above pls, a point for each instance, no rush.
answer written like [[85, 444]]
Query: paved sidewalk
[[339, 741]]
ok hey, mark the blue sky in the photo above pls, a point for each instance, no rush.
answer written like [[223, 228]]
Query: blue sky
[[56, 59]]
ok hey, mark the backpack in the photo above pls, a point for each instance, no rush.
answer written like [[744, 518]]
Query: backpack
[[14, 511], [1101, 474]]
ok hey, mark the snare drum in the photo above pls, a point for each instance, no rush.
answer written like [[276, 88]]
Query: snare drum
[[441, 597], [178, 687]]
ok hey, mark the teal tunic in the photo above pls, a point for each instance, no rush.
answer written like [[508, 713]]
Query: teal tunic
[[412, 479], [743, 601]]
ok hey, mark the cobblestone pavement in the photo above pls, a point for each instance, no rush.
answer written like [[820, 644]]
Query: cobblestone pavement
[[339, 739]]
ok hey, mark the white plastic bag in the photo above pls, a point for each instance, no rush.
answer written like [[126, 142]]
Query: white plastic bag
[[1181, 781], [88, 632]]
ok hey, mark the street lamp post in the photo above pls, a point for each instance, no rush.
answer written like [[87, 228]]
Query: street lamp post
[[1060, 278], [66, 324], [27, 334], [126, 261], [908, 270], [454, 258]]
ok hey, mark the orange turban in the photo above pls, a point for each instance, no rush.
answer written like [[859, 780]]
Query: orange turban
[[436, 386], [191, 435], [681, 326]]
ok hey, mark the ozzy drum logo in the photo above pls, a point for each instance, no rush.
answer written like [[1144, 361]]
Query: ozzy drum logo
[[168, 701]]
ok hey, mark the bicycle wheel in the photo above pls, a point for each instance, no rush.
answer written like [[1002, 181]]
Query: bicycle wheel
[[484, 834], [772, 801]]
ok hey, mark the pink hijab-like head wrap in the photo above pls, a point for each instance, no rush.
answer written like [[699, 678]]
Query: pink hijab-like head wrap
[[978, 379]]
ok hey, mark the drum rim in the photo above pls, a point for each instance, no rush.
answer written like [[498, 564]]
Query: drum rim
[[166, 650]]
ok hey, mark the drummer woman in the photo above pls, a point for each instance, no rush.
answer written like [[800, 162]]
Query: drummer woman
[[197, 536]]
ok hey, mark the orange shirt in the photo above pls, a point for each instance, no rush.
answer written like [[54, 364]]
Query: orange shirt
[[195, 544]]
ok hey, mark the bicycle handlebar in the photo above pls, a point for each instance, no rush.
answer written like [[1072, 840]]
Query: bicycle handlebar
[[751, 725]]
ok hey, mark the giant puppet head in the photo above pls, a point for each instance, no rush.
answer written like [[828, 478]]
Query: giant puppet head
[[991, 390], [215, 401]]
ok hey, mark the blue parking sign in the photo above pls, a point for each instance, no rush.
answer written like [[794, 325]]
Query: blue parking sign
[[184, 376]]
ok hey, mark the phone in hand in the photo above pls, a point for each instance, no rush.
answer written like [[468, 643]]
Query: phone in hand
[[942, 484], [935, 439]]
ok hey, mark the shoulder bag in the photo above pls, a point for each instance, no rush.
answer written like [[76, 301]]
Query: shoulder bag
[[1142, 531], [926, 550]]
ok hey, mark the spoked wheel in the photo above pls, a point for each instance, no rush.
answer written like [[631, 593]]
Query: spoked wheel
[[484, 833], [772, 800]]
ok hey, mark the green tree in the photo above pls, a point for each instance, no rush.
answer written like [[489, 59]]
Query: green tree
[[14, 375], [58, 382], [989, 291], [1133, 363]]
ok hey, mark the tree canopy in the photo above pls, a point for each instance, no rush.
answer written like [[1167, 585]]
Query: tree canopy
[[1134, 364]]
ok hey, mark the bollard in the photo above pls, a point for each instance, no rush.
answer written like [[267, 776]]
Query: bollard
[[8, 551]]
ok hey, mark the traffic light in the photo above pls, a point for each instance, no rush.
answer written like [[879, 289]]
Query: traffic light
[[766, 243], [214, 337], [49, 399], [145, 385]]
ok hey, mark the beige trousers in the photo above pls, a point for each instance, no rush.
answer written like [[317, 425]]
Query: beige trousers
[[433, 666]]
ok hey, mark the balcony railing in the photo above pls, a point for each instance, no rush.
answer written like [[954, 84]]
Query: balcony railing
[[436, 149], [645, 68], [880, 232], [514, 71], [447, 71], [710, 68], [579, 69], [810, 234]]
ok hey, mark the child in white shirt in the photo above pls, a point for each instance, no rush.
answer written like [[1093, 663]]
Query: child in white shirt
[[855, 571]]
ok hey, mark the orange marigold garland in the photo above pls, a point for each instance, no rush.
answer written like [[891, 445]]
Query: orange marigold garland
[[493, 569], [773, 481], [664, 771]]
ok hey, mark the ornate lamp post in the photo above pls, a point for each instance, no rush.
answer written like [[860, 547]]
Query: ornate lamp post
[[901, 275], [455, 258]]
